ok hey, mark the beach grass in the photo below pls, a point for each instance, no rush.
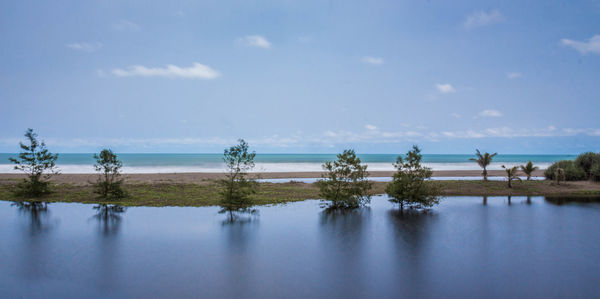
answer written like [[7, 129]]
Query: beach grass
[[206, 192]]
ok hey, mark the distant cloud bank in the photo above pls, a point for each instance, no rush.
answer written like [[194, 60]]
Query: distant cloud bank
[[257, 41], [196, 71], [592, 45]]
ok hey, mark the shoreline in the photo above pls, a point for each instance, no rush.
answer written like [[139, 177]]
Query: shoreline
[[81, 179]]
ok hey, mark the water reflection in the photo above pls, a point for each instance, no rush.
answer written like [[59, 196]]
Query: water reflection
[[561, 200], [460, 248], [34, 244], [109, 218], [344, 236], [108, 246], [241, 218], [37, 211], [240, 234], [409, 226], [410, 235]]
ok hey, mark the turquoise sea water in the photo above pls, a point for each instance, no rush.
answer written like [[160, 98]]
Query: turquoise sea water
[[148, 163]]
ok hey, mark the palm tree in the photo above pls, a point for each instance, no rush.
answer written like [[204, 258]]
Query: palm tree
[[483, 161], [511, 174], [528, 169]]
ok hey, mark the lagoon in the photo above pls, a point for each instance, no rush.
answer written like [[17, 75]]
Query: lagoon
[[465, 247]]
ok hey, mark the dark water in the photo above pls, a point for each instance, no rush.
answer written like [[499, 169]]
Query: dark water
[[462, 248]]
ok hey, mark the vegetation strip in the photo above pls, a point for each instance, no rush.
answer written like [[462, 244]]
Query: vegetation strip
[[206, 193]]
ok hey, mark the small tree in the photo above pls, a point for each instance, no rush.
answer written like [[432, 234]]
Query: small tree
[[595, 172], [38, 163], [511, 174], [483, 161], [528, 169], [408, 186], [109, 184], [559, 175], [345, 185], [237, 188]]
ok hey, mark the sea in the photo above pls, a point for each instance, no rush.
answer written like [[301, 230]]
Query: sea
[[180, 163]]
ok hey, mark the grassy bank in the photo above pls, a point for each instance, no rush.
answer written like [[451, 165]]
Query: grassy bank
[[205, 193]]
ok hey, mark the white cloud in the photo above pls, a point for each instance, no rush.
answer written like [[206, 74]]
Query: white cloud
[[257, 41], [196, 71], [482, 18], [456, 115], [87, 47], [124, 25], [372, 60], [370, 127], [514, 75], [592, 45], [445, 88], [490, 113]]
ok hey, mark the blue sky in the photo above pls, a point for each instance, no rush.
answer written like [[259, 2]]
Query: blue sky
[[302, 76]]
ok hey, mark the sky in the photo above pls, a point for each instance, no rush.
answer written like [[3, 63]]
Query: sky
[[302, 76]]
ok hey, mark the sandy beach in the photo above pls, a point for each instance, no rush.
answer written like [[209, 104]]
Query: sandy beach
[[194, 177]]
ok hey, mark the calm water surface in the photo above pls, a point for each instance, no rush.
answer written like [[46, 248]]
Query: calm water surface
[[465, 247]]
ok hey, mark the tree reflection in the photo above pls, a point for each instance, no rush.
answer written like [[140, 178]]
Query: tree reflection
[[36, 244], [344, 221], [37, 212], [410, 231], [344, 237], [410, 224], [485, 200], [561, 200], [244, 217], [238, 235], [109, 218]]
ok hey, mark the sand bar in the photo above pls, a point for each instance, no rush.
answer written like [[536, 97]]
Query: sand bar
[[194, 177]]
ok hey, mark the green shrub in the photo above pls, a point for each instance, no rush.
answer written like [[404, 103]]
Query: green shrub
[[345, 184], [587, 161], [109, 184], [408, 186], [37, 163], [573, 172]]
